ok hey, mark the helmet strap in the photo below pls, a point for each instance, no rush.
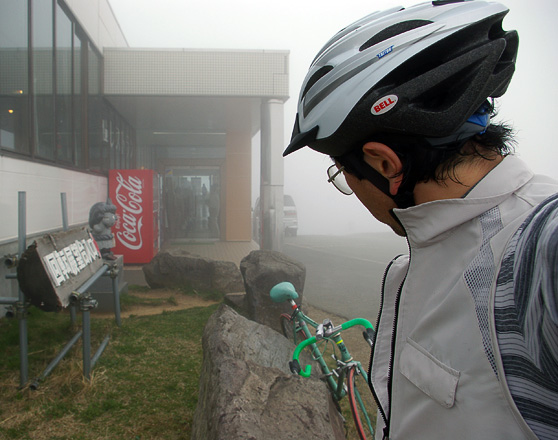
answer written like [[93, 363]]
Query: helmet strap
[[355, 165], [404, 198]]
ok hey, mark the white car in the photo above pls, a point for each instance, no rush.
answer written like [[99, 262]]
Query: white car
[[290, 218]]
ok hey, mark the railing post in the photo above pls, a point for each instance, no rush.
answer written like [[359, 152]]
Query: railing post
[[21, 307]]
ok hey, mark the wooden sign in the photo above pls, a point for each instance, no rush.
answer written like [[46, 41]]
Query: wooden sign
[[55, 265]]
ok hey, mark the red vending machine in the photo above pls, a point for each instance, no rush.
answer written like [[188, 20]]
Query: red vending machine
[[135, 193]]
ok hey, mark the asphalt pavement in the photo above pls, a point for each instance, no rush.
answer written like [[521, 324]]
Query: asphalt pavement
[[344, 273]]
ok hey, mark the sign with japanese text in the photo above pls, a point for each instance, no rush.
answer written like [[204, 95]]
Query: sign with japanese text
[[57, 264]]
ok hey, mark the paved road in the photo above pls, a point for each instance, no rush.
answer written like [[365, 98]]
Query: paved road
[[344, 273]]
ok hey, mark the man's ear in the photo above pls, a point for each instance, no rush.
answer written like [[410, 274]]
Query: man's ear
[[384, 160]]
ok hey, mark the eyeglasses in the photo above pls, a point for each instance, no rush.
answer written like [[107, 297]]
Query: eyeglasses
[[336, 176]]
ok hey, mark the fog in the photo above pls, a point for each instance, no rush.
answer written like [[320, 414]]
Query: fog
[[302, 28]]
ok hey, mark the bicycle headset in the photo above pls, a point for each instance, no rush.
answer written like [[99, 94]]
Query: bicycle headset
[[421, 74]]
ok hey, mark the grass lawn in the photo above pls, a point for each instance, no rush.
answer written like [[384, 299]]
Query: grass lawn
[[144, 386]]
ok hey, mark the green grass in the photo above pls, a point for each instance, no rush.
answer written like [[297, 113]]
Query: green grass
[[144, 386]]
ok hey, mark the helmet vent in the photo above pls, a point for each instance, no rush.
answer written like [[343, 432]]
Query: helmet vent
[[320, 73], [392, 31]]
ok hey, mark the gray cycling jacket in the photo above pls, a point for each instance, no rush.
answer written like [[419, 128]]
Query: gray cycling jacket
[[436, 370]]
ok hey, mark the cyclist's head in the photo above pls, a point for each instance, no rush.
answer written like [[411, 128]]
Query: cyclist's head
[[420, 78]]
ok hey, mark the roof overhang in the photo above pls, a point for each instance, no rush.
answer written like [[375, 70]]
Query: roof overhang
[[182, 98]]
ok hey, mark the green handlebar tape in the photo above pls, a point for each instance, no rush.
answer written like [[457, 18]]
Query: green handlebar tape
[[306, 372], [357, 321]]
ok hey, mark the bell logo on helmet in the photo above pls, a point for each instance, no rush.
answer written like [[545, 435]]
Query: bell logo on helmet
[[384, 105]]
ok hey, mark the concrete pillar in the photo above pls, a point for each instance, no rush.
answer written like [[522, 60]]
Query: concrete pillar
[[237, 187], [271, 189]]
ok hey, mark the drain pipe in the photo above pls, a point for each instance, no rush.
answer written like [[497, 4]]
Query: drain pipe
[[20, 305]]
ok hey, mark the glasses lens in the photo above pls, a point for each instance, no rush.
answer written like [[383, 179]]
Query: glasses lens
[[336, 176]]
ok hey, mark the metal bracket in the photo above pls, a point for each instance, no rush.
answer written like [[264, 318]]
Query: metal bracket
[[85, 300], [21, 310], [113, 271]]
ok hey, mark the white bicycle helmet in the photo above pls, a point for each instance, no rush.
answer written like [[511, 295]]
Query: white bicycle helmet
[[421, 71]]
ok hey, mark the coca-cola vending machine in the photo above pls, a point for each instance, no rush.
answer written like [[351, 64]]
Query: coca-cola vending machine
[[135, 193]]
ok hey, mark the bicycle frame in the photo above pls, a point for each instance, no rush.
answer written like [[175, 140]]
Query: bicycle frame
[[326, 332], [336, 386], [347, 369]]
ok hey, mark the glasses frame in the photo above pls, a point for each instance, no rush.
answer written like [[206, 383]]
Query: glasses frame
[[341, 184]]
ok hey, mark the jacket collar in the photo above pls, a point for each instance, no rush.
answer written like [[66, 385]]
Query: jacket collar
[[429, 222]]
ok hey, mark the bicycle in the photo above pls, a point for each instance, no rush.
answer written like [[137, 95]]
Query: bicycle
[[295, 327]]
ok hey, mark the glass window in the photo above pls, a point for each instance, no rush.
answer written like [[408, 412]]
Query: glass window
[[98, 125], [115, 141], [78, 103], [42, 24], [14, 96], [129, 143], [125, 146], [64, 138]]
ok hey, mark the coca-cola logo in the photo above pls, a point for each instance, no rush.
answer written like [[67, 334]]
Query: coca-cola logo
[[129, 199]]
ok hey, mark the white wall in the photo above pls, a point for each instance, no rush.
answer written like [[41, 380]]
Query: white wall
[[43, 185]]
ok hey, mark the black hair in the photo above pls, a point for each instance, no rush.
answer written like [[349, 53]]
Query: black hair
[[423, 162]]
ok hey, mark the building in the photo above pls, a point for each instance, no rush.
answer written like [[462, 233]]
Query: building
[[77, 101]]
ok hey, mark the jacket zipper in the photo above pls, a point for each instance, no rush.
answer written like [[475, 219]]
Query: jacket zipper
[[390, 367], [393, 339], [382, 412], [391, 358]]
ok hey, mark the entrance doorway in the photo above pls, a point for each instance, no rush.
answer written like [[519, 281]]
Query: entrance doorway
[[192, 201]]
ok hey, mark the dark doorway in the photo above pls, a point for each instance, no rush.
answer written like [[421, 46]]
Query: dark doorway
[[192, 200]]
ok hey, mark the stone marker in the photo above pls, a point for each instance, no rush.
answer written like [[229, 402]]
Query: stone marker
[[247, 392], [261, 270], [178, 268]]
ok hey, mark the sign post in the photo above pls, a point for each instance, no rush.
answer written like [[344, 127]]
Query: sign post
[[55, 265], [56, 271]]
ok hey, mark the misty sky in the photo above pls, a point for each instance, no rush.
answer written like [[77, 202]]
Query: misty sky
[[302, 27]]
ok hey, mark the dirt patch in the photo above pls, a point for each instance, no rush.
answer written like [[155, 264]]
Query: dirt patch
[[156, 301]]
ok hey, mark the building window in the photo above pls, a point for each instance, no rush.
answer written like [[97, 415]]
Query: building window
[[78, 101], [42, 81], [14, 96], [98, 120], [51, 102], [64, 68]]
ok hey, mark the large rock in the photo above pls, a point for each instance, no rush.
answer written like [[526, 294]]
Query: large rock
[[247, 392], [261, 270], [179, 268]]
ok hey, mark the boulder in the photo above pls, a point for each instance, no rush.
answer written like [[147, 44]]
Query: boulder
[[261, 270], [247, 392], [178, 268]]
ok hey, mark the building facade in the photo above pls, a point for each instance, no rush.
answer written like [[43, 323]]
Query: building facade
[[76, 101]]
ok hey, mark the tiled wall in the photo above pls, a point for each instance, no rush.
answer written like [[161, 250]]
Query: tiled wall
[[196, 72]]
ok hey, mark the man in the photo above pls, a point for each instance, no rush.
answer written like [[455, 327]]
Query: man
[[466, 343]]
